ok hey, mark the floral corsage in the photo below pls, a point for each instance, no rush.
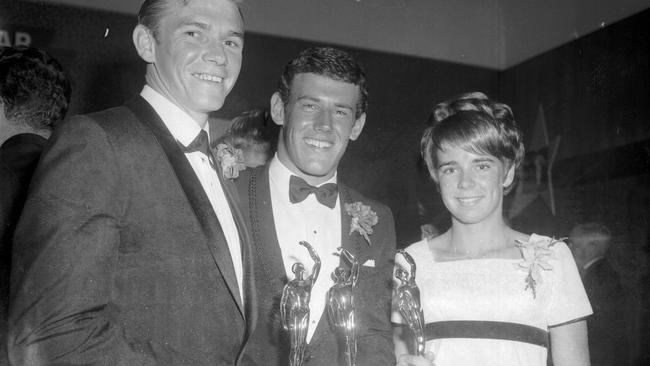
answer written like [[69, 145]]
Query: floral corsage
[[363, 219], [535, 256], [231, 160]]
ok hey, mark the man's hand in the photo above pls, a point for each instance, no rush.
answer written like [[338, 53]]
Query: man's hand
[[410, 360]]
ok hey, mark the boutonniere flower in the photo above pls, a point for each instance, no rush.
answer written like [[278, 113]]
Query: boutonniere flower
[[231, 160], [363, 219], [535, 256]]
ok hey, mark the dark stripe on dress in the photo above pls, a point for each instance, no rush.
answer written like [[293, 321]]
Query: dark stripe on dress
[[488, 330]]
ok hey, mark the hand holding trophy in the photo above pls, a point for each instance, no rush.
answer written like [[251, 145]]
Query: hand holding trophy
[[294, 305], [340, 302], [408, 302]]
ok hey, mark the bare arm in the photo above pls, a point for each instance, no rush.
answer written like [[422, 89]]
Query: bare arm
[[569, 345], [400, 345]]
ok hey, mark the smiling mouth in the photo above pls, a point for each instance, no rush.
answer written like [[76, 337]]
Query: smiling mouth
[[320, 144], [468, 201], [208, 77]]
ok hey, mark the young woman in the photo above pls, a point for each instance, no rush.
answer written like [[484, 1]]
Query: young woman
[[490, 295]]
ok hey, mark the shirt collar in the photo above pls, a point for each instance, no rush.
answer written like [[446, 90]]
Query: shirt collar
[[279, 175], [183, 127]]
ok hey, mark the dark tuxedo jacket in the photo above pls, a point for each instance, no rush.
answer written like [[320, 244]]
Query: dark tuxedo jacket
[[269, 344], [119, 258]]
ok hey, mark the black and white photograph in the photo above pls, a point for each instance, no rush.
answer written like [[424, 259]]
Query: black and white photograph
[[325, 182]]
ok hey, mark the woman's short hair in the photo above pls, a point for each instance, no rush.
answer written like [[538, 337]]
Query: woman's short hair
[[476, 124]]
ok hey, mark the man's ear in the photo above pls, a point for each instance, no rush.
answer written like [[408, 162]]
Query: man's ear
[[510, 176], [277, 109], [358, 127], [144, 43]]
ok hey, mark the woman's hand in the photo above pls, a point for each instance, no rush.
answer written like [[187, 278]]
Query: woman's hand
[[410, 360]]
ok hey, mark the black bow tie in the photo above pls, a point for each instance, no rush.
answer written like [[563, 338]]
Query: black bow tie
[[299, 190], [200, 143]]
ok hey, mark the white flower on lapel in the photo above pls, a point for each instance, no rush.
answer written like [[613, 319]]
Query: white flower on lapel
[[363, 219], [231, 160]]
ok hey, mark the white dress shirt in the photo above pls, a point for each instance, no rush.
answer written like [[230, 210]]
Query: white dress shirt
[[185, 129], [312, 222]]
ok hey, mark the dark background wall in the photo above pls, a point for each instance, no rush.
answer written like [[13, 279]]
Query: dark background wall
[[594, 93]]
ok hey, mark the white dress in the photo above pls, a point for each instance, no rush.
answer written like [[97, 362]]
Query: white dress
[[494, 290]]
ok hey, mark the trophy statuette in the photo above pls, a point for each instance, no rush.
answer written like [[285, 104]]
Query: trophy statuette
[[340, 301], [408, 302], [294, 306]]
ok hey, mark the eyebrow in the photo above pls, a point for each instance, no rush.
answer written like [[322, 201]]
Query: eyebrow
[[484, 160], [477, 160], [316, 99], [306, 97], [344, 106], [447, 163], [205, 26], [194, 23]]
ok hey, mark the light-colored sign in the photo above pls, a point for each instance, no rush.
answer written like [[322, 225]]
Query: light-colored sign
[[14, 38]]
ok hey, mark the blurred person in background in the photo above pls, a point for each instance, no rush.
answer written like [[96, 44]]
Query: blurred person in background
[[610, 328], [255, 134], [34, 97]]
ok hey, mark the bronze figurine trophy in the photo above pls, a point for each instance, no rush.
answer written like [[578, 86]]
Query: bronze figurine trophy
[[294, 305], [340, 302], [408, 302]]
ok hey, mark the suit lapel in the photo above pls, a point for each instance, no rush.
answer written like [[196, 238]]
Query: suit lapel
[[246, 242], [195, 194], [267, 247], [354, 242]]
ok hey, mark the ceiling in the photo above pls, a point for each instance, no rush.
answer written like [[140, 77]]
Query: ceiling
[[495, 34]]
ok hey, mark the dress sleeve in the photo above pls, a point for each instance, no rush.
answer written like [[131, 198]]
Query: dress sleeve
[[569, 300]]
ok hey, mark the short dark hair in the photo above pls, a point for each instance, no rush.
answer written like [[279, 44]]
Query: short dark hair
[[34, 89], [475, 124], [326, 61], [152, 11]]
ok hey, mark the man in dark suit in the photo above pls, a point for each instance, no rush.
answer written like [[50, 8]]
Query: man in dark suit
[[609, 344], [320, 104], [131, 249], [34, 96]]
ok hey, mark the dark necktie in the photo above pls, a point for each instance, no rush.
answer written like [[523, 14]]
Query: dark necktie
[[200, 143], [299, 190]]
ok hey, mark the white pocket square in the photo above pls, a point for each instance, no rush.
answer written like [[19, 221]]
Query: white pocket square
[[369, 263]]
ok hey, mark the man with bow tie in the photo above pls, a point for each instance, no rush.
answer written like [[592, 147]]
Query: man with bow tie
[[320, 104], [131, 249]]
